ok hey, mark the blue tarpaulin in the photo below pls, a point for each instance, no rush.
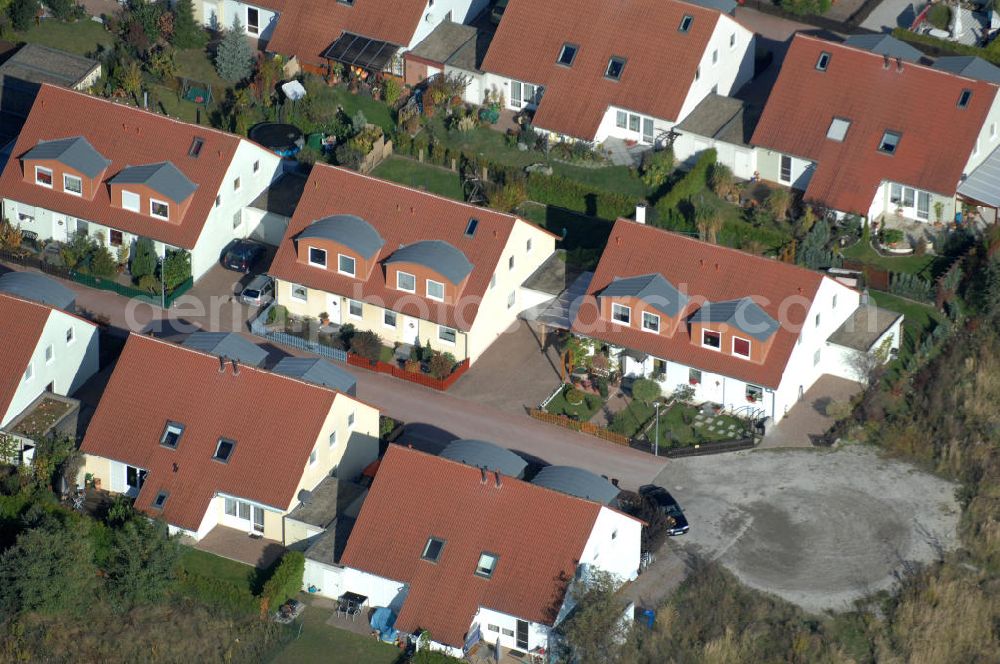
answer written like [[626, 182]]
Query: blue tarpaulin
[[382, 621]]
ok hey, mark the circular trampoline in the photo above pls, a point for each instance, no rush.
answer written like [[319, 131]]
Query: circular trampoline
[[284, 140]]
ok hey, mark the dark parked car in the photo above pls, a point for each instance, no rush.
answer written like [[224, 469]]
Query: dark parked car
[[241, 255], [677, 522]]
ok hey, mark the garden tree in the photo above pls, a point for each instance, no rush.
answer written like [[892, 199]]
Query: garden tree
[[285, 583], [141, 566], [654, 533], [392, 91], [441, 365], [234, 59], [131, 80], [721, 180], [777, 203], [269, 72], [176, 268], [144, 260], [597, 626], [50, 569], [657, 167], [367, 344], [187, 32], [646, 390], [22, 13], [162, 64], [813, 251], [870, 366], [102, 262], [805, 6], [708, 218], [61, 9]]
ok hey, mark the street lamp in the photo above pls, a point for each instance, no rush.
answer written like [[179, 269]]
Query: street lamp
[[656, 439]]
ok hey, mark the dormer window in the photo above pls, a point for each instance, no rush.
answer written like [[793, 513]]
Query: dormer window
[[160, 500], [487, 563], [172, 435], [741, 347], [823, 61], [889, 142], [963, 99], [433, 549], [710, 339], [159, 209], [435, 290], [224, 450], [615, 67], [621, 314], [196, 146], [317, 257], [650, 322], [685, 23], [346, 265], [43, 176], [567, 54], [406, 282], [130, 200], [72, 184]]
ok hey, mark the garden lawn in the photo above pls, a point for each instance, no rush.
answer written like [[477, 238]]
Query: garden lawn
[[375, 111], [412, 173], [196, 64], [583, 412], [83, 37], [165, 100], [319, 642], [207, 564], [923, 266], [675, 430], [630, 421], [920, 319]]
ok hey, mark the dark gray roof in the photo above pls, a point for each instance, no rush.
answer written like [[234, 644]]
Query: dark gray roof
[[743, 314], [723, 118], [346, 229], [163, 178], [482, 454], [983, 184], [438, 255], [281, 196], [42, 64], [885, 45], [652, 289], [724, 6], [317, 371], [969, 66], [38, 288], [454, 44], [577, 482], [75, 152], [864, 327], [229, 345]]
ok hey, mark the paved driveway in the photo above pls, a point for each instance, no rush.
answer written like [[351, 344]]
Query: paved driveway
[[807, 420], [892, 14], [819, 528]]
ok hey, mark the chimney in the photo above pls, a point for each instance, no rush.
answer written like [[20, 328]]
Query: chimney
[[899, 64], [640, 213], [499, 481], [482, 473], [222, 364], [885, 62], [236, 367]]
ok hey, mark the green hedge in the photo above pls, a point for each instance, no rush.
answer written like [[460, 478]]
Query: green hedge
[[937, 46], [286, 582], [694, 181], [218, 593], [571, 195]]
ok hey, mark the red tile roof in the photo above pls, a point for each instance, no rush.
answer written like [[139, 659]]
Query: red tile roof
[[401, 216], [275, 421], [127, 136], [306, 29], [21, 324], [660, 67], [705, 272], [538, 535], [919, 102]]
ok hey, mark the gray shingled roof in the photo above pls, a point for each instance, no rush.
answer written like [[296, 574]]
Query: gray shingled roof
[[75, 152], [969, 66], [983, 184], [743, 314], [38, 288], [438, 255], [653, 289], [885, 45], [483, 454], [346, 229], [577, 482], [163, 178], [229, 345], [319, 372]]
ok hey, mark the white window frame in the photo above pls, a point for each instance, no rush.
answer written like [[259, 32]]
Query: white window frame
[[155, 201], [309, 256], [333, 439], [350, 309], [399, 286], [293, 288], [428, 290], [66, 178], [817, 356], [237, 183], [350, 418], [29, 372], [648, 328], [511, 299], [527, 246], [781, 168], [615, 307], [340, 267], [312, 457], [443, 339], [385, 315], [50, 354], [256, 28], [710, 347], [621, 119], [493, 280], [484, 571], [128, 196], [52, 177], [237, 219], [749, 347], [817, 320], [70, 336]]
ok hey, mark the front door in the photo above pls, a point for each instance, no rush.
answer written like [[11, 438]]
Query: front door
[[258, 519], [410, 333], [522, 634], [333, 309]]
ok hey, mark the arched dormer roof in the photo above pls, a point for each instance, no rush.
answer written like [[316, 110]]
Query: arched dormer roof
[[348, 230], [437, 255]]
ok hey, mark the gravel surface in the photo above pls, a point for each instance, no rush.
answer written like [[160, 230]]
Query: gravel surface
[[818, 528]]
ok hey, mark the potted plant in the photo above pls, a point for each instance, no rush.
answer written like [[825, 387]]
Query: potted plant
[[324, 318]]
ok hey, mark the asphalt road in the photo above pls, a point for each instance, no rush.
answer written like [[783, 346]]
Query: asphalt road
[[818, 528]]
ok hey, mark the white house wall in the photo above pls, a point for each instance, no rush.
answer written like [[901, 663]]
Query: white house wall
[[461, 11], [741, 159], [328, 580], [71, 365], [609, 127], [538, 634], [988, 139], [220, 14], [733, 68], [614, 545]]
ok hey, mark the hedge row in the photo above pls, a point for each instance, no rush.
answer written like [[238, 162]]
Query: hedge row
[[286, 582], [693, 182], [571, 195], [938, 47], [218, 593]]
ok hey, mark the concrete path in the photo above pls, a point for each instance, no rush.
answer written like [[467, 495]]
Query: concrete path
[[891, 14], [807, 420]]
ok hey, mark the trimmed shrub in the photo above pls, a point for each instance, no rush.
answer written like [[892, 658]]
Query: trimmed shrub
[[939, 16], [286, 582], [892, 235], [441, 365], [144, 260], [571, 195], [646, 390], [367, 344], [694, 181]]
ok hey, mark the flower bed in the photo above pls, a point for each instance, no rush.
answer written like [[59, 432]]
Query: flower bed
[[562, 404]]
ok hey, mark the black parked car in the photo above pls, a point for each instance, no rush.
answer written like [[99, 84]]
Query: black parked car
[[241, 255], [677, 522]]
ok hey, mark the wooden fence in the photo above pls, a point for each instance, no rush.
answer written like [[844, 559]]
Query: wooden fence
[[419, 378], [380, 150], [582, 427]]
